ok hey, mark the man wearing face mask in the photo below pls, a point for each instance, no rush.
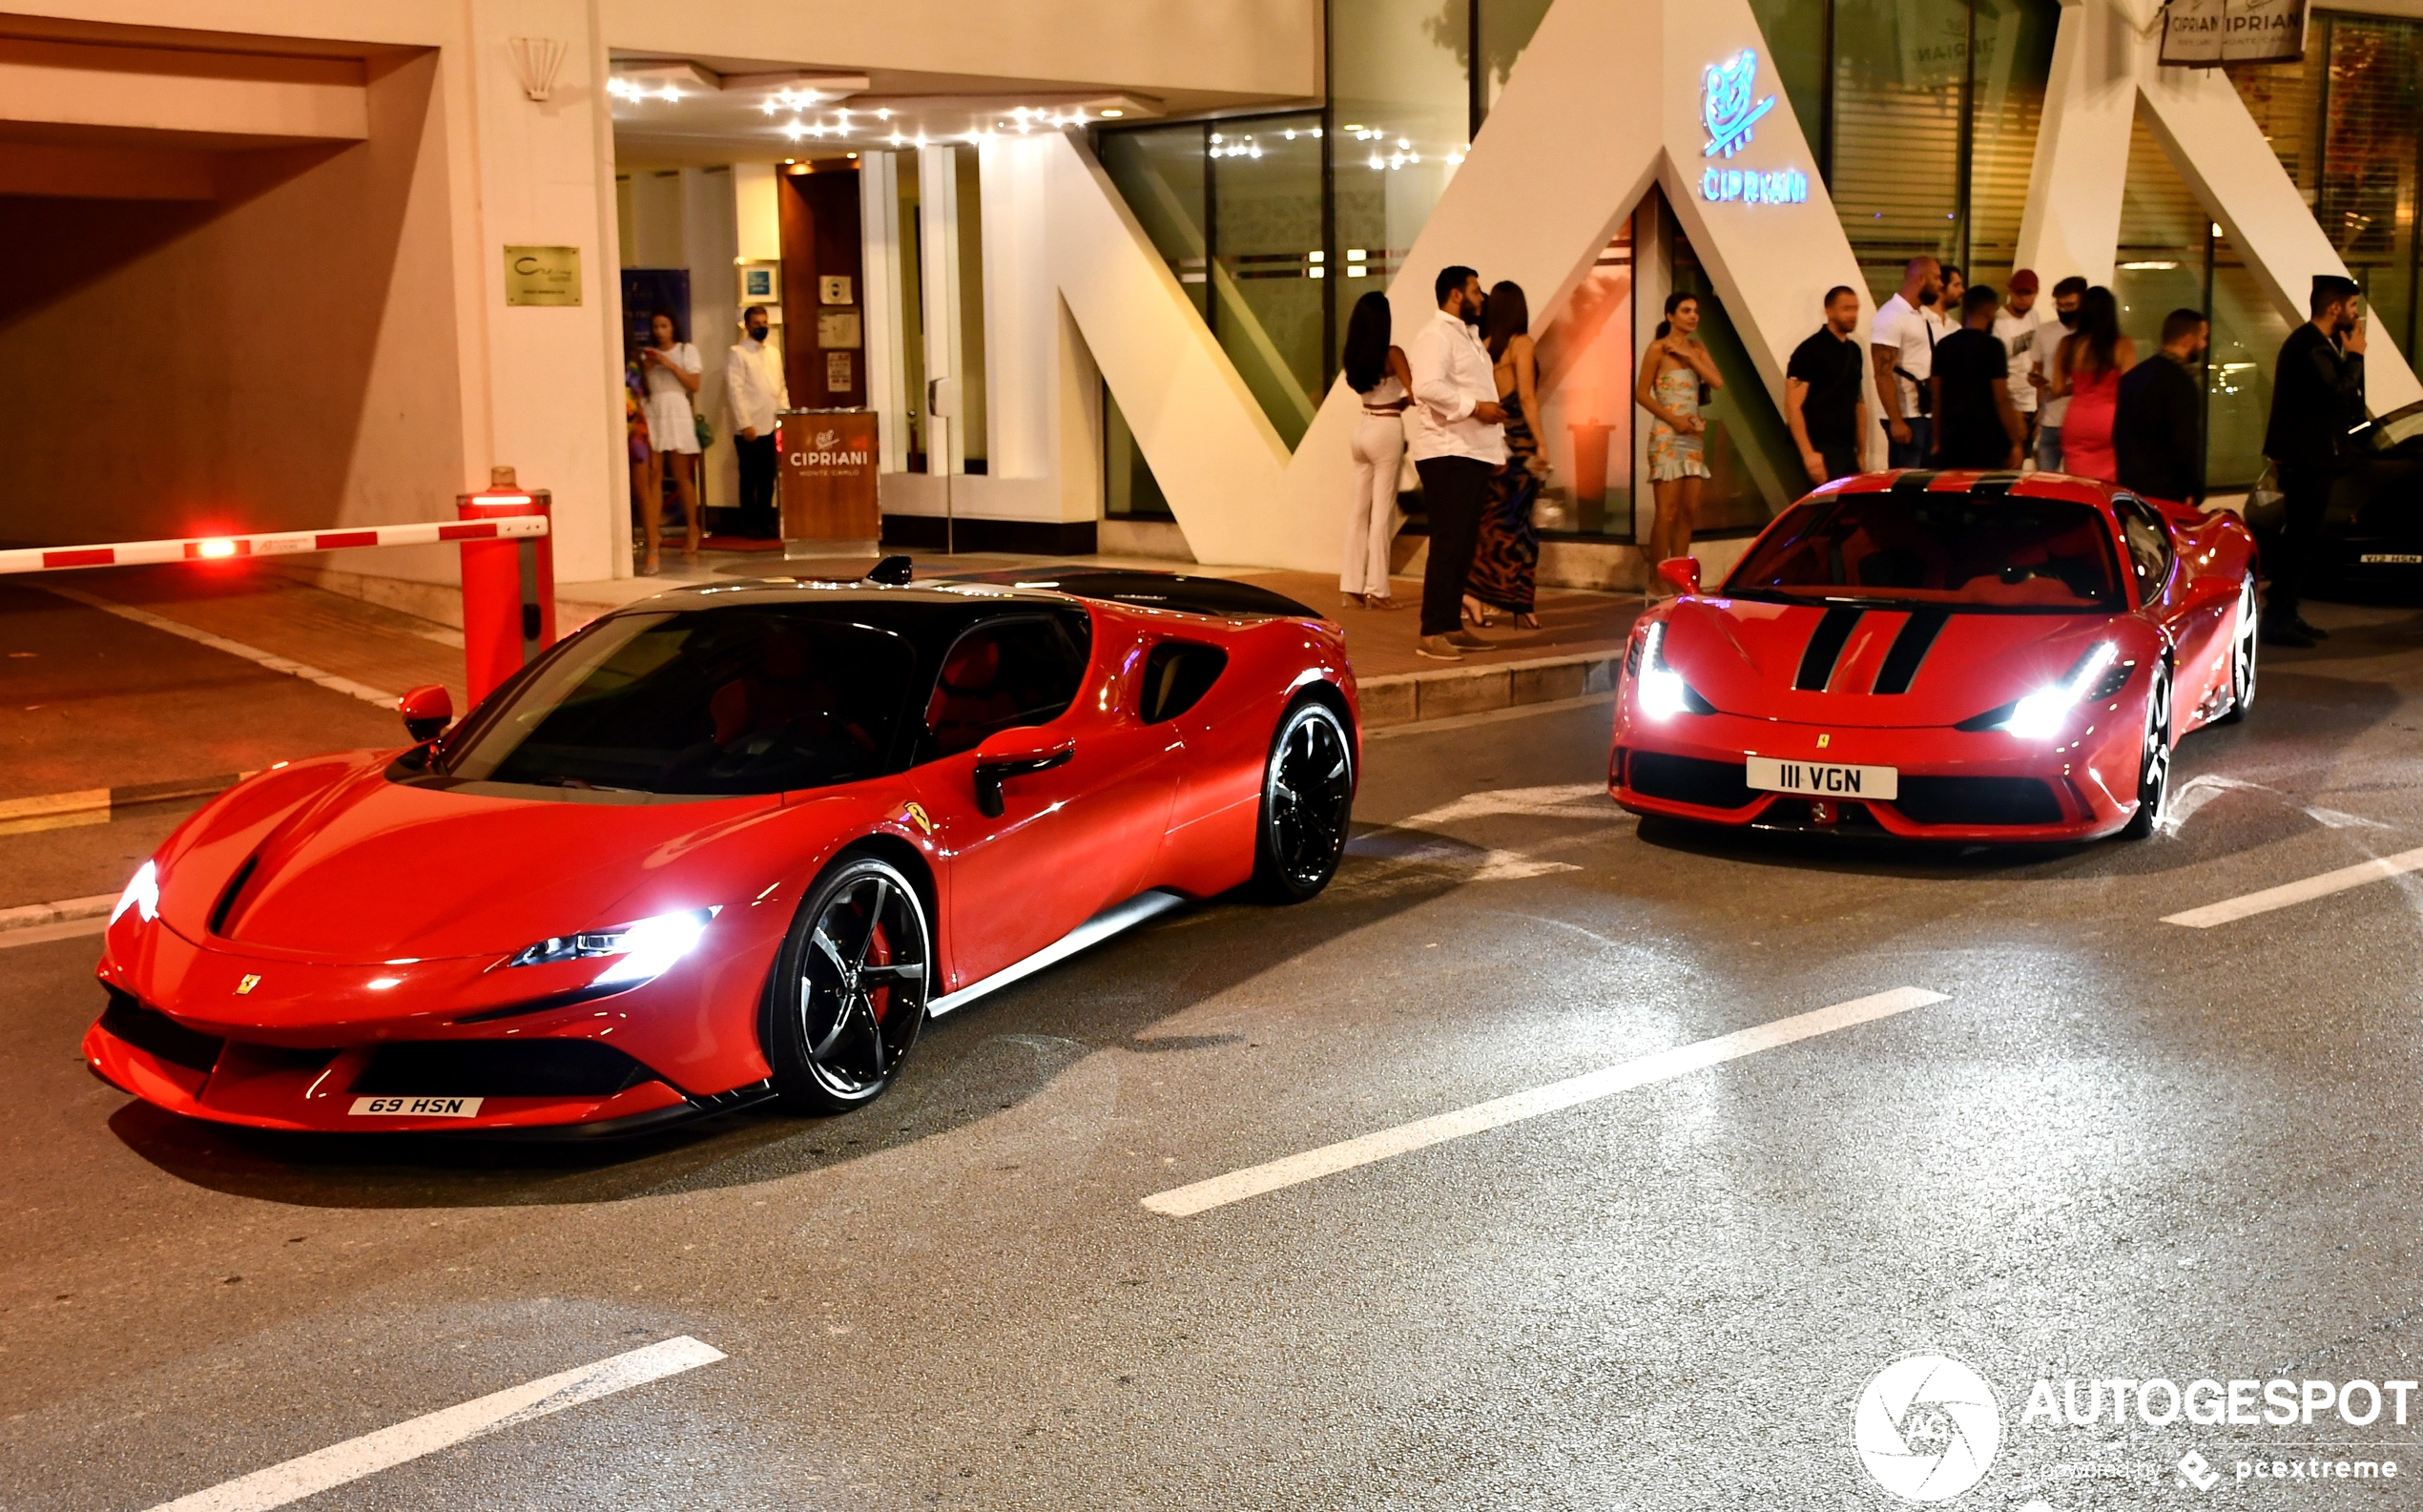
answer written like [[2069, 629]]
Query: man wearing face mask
[[756, 393], [2051, 407]]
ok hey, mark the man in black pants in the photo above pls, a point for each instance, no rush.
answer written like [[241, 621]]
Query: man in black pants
[[2317, 397], [1459, 441]]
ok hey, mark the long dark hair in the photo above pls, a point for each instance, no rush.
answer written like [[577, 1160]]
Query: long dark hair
[[1505, 316], [1674, 302], [1366, 355], [670, 321], [2097, 331]]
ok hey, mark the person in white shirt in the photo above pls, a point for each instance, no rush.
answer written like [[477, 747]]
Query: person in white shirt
[[1458, 445], [2042, 375], [1902, 349], [672, 370], [2014, 327], [754, 392]]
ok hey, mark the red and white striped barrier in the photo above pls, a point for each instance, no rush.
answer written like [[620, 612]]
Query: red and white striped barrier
[[275, 543]]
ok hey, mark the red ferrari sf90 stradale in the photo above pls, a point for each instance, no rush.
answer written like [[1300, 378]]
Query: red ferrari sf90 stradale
[[1967, 656], [730, 843]]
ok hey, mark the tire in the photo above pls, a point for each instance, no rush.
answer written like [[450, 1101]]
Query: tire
[[1307, 796], [2153, 758], [849, 990], [2242, 654]]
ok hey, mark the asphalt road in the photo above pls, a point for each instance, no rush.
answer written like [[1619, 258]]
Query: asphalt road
[[2115, 1149]]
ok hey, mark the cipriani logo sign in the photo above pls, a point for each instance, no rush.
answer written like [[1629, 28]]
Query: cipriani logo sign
[[1729, 107]]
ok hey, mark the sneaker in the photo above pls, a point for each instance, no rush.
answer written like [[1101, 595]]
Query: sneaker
[[1437, 648], [2289, 634], [1466, 639]]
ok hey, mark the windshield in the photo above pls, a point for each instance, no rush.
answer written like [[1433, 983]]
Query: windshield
[[2015, 554], [709, 702]]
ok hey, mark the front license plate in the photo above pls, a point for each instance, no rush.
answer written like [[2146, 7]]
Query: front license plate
[[416, 1108], [1823, 780], [2391, 558]]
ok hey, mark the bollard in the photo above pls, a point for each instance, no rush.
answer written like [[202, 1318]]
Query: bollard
[[508, 587]]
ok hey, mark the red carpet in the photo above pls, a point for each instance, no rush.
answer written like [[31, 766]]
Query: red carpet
[[740, 543]]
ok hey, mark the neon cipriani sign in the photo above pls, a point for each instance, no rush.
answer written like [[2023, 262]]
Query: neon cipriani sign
[[1730, 108]]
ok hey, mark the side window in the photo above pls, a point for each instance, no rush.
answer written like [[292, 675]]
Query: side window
[[2149, 546], [1176, 677], [1006, 673]]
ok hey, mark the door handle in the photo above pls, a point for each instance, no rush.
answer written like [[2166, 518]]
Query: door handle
[[991, 773]]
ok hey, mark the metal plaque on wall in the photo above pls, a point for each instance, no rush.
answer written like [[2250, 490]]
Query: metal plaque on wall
[[2216, 33], [838, 328], [541, 274]]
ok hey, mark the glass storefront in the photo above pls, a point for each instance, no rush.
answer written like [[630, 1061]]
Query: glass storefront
[[1923, 116]]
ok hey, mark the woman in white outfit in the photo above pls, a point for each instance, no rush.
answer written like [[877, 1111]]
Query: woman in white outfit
[[672, 370], [1378, 373]]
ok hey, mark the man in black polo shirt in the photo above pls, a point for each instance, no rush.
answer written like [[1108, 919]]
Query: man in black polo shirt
[[1824, 398]]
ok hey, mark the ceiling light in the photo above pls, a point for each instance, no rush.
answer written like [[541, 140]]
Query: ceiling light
[[852, 157], [1112, 114], [793, 130], [885, 115]]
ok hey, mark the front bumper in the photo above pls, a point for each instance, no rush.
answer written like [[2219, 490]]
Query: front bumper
[[1984, 787]]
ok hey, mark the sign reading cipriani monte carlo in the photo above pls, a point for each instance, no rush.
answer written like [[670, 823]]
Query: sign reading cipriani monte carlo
[[2215, 34], [1731, 108]]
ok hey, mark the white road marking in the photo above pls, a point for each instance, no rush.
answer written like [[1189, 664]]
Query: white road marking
[[2197, 791], [2230, 910], [1565, 801], [373, 1452], [1664, 1066], [234, 648]]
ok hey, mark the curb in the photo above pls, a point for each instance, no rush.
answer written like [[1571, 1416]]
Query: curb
[[1409, 698], [59, 811], [66, 911]]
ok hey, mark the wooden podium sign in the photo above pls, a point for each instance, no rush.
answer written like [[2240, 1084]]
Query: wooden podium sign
[[828, 479]]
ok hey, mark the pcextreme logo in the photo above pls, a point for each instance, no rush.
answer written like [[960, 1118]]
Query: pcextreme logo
[[1927, 1427]]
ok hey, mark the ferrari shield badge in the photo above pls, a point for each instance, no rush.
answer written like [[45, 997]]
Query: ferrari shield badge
[[1825, 740], [915, 813], [251, 980]]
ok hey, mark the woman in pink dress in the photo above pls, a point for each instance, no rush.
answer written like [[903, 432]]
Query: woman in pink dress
[[2087, 368]]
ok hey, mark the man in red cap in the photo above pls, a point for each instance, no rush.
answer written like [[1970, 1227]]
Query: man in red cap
[[2016, 326]]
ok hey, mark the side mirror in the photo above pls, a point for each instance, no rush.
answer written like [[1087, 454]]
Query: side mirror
[[426, 710], [1683, 571], [1015, 753]]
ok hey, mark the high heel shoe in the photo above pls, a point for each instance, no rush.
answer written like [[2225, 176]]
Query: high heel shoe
[[1477, 612]]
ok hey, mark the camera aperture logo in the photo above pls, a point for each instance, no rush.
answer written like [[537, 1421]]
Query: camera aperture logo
[[1927, 1427]]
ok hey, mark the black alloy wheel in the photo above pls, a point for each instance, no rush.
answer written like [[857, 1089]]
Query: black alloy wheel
[[2241, 657], [1307, 796], [850, 988], [2153, 761]]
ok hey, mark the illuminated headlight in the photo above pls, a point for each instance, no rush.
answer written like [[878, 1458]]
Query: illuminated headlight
[[2040, 715], [644, 948], [1659, 688], [143, 895]]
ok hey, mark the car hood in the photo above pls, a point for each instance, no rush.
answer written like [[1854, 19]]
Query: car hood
[[371, 870], [1879, 667]]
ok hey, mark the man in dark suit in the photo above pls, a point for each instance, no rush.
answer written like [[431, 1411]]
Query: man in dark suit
[[2158, 432], [2317, 397]]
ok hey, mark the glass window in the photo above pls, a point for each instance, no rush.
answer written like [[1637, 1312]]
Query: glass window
[[2011, 553], [2011, 59], [1176, 677], [1506, 30], [709, 702], [2148, 547], [1899, 68], [2248, 330], [1128, 488], [1794, 31], [1584, 426], [971, 309], [912, 297], [2160, 262], [1754, 468], [1006, 673], [1268, 266], [1159, 172], [1401, 107]]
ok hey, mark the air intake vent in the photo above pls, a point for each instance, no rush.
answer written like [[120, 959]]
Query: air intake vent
[[156, 1033], [500, 1068]]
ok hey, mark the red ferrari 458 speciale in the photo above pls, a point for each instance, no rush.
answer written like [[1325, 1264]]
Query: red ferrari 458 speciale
[[730, 843], [1958, 655]]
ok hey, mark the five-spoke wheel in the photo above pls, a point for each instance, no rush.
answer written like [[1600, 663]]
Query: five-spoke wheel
[[2242, 659], [2153, 762], [850, 988], [1307, 795]]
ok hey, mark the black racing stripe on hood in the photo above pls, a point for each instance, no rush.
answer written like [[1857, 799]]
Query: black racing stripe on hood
[[1917, 480], [1910, 648], [1993, 483], [1825, 648]]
